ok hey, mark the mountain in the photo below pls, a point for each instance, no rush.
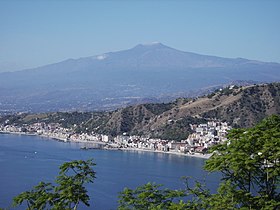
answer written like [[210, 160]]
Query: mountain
[[238, 106], [144, 73]]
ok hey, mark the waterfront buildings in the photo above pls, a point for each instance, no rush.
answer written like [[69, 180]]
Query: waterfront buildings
[[203, 137]]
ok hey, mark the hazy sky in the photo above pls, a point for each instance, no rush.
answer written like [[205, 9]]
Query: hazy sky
[[35, 33]]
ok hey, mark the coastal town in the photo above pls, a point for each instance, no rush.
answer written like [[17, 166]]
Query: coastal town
[[197, 144]]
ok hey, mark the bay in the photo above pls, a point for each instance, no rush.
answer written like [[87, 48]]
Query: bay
[[27, 160]]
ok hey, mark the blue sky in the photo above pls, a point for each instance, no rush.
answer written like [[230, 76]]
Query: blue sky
[[36, 32]]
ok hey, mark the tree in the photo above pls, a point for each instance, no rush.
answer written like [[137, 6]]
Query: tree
[[68, 192], [249, 162], [148, 196]]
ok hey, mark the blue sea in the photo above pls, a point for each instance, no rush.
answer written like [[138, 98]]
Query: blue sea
[[27, 160]]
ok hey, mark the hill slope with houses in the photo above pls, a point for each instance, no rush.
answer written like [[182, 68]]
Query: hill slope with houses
[[237, 106]]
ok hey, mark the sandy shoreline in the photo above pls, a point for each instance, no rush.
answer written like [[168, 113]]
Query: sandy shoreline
[[196, 155]]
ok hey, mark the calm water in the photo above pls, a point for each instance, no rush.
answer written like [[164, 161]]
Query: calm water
[[26, 160]]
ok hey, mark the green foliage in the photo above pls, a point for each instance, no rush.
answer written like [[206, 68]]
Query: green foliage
[[148, 196], [159, 108], [38, 198], [68, 119], [68, 192], [152, 197], [251, 158], [211, 95], [250, 164], [96, 123], [10, 119], [65, 119], [179, 129], [174, 133], [274, 89], [127, 121]]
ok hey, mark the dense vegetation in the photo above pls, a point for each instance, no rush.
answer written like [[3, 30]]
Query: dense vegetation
[[178, 129], [66, 119], [249, 163], [67, 193]]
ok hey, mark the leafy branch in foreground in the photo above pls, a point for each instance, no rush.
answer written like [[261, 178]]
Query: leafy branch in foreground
[[68, 192], [148, 196], [249, 163]]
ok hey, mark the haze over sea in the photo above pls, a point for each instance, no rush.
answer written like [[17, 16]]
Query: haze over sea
[[27, 160]]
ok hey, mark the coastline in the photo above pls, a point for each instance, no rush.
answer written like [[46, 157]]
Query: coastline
[[195, 155]]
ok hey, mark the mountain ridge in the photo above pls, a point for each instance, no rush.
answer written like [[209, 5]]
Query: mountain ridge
[[142, 72], [240, 106], [146, 48]]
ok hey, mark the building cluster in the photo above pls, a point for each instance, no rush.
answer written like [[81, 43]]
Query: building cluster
[[203, 137]]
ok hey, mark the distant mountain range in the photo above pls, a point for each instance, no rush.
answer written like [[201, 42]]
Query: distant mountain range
[[145, 73]]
